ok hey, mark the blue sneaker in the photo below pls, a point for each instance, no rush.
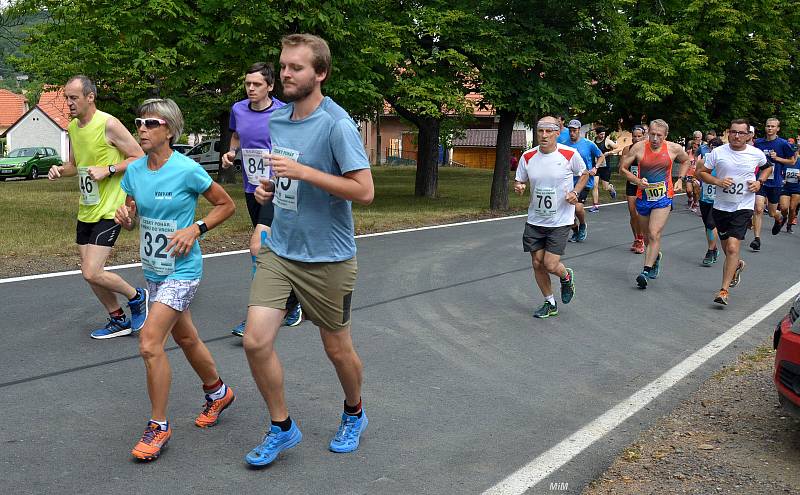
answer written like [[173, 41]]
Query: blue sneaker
[[656, 271], [114, 328], [349, 433], [573, 237], [239, 330], [641, 280], [293, 317], [274, 442], [581, 233], [139, 309]]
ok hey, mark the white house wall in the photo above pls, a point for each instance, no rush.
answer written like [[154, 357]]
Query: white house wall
[[36, 129]]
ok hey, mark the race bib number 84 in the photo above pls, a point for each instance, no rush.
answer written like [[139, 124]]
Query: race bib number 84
[[153, 239], [254, 166]]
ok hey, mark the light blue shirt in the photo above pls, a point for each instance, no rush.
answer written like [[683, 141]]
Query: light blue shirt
[[166, 195], [590, 153], [312, 225]]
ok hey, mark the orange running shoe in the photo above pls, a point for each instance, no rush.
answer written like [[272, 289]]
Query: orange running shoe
[[213, 408], [153, 441]]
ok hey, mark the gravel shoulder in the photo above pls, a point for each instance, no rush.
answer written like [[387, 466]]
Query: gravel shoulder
[[730, 436]]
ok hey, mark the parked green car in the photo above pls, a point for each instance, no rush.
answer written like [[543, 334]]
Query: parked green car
[[30, 163]]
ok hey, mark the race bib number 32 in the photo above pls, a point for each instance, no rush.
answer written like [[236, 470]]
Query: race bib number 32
[[286, 190], [153, 239], [90, 191]]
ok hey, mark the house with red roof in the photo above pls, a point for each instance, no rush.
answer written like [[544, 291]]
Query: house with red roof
[[43, 125], [12, 107]]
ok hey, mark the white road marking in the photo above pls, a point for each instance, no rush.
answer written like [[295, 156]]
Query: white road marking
[[548, 462]]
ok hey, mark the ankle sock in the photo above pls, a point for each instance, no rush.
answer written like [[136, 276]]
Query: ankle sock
[[353, 410], [218, 393], [162, 425], [284, 425], [550, 299], [131, 299], [118, 315]]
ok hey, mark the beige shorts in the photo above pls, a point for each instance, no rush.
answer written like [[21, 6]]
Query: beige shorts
[[325, 290]]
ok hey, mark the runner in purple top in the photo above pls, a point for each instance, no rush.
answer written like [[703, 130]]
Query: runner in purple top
[[250, 127]]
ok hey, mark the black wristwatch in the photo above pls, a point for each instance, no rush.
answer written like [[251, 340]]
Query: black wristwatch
[[202, 226], [112, 170]]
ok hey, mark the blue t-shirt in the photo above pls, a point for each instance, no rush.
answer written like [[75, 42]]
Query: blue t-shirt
[[312, 225], [703, 150], [165, 202], [563, 138], [252, 126], [783, 150], [590, 153], [708, 191]]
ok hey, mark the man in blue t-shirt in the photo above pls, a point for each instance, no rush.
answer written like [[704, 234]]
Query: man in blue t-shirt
[[779, 155], [321, 166], [592, 157]]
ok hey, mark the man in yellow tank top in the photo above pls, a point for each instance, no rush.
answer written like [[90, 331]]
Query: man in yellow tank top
[[100, 150]]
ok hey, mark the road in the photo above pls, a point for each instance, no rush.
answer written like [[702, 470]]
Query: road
[[462, 385]]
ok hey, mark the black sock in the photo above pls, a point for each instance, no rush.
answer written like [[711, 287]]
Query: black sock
[[353, 410], [134, 297], [118, 314], [647, 269], [284, 425]]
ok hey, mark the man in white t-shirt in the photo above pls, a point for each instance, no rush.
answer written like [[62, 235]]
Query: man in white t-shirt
[[550, 168], [736, 165]]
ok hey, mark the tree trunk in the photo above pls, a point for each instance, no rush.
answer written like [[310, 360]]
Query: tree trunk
[[427, 158], [502, 157], [225, 176]]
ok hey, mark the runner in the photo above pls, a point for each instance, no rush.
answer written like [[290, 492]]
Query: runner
[[550, 168], [592, 157], [707, 194], [606, 146], [790, 194], [779, 154], [321, 166], [249, 124], [655, 190], [735, 164], [694, 150], [101, 148], [637, 134], [163, 189]]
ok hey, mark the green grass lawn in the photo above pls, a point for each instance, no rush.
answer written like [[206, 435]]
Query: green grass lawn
[[39, 216]]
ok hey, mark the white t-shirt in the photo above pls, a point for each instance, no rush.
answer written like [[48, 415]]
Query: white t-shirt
[[550, 176], [742, 166]]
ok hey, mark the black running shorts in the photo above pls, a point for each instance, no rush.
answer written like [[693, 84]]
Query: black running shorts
[[259, 214], [102, 233], [731, 223]]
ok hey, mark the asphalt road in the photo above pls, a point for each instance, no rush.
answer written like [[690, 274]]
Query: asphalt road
[[462, 385]]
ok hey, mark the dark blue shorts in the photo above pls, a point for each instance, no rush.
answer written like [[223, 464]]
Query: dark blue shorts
[[789, 189], [773, 194], [644, 207]]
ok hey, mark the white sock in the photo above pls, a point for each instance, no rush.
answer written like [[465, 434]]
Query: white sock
[[219, 393], [550, 299], [163, 425]]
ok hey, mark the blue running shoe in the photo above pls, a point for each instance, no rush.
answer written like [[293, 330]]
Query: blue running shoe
[[581, 233], [293, 317], [274, 442], [239, 329], [568, 287], [573, 237], [114, 328], [641, 280], [139, 309], [349, 433], [656, 271]]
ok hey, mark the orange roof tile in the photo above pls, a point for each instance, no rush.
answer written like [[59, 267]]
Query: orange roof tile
[[54, 105], [12, 107]]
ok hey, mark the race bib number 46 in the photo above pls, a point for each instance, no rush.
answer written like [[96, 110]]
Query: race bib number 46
[[153, 239], [286, 190], [544, 201], [90, 191], [655, 191], [254, 166]]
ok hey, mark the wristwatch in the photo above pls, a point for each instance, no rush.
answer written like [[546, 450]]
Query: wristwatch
[[112, 170], [202, 226]]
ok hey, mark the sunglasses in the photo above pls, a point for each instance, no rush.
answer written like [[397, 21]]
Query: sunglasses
[[150, 123]]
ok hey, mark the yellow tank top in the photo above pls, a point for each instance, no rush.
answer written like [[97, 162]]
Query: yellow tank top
[[99, 200]]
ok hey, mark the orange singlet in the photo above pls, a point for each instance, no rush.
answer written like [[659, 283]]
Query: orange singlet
[[656, 167]]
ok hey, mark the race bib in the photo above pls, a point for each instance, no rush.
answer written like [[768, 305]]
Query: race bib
[[709, 192], [791, 175], [286, 189], [635, 171], [544, 201], [254, 166], [153, 240], [90, 191], [732, 193], [655, 191]]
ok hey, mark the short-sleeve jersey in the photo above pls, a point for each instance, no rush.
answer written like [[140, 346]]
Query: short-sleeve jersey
[[551, 178], [162, 197], [782, 149], [311, 224], [91, 149], [252, 126], [590, 152], [741, 166]]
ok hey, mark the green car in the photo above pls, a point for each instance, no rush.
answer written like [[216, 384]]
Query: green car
[[30, 163]]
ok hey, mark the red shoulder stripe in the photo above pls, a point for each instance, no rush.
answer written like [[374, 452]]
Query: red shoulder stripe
[[529, 155], [567, 153]]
